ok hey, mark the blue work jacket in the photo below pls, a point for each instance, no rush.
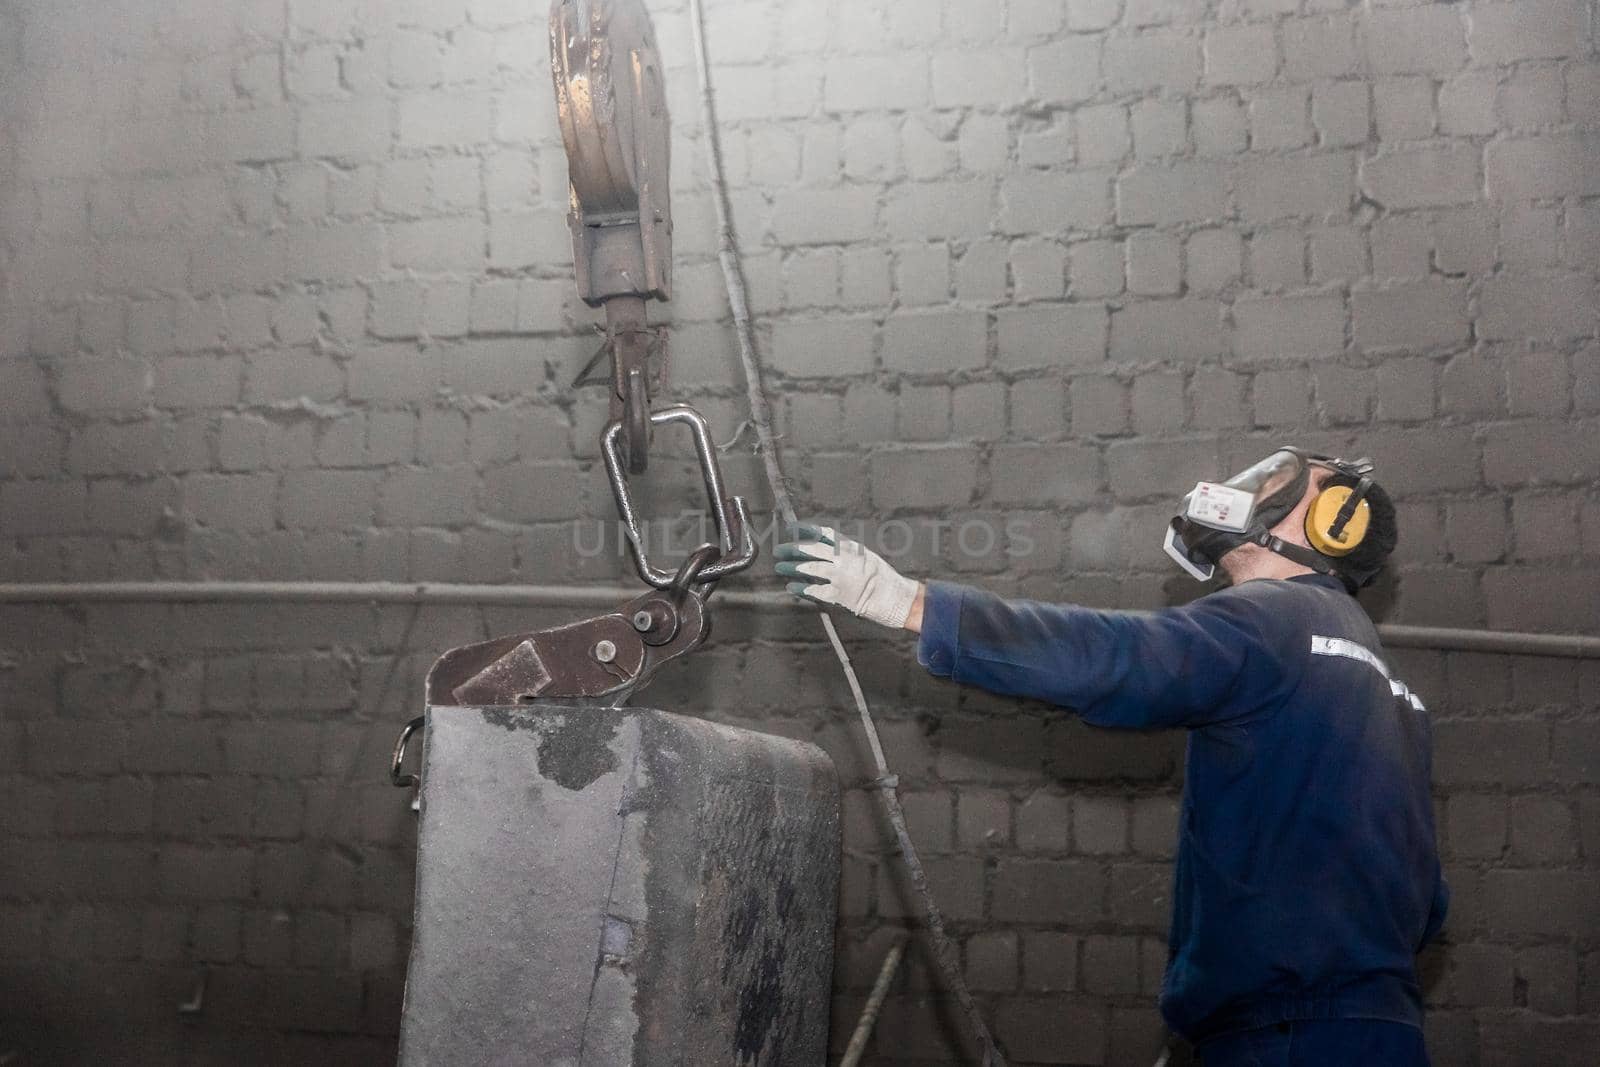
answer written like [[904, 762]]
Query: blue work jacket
[[1308, 873]]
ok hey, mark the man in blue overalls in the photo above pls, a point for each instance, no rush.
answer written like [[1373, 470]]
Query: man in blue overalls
[[1307, 874]]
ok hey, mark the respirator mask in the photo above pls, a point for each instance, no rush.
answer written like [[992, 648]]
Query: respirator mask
[[1218, 517]]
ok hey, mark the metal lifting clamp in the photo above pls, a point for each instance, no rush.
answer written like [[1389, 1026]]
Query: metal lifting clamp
[[614, 121], [605, 659]]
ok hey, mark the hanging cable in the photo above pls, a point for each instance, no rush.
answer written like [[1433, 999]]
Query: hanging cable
[[761, 419]]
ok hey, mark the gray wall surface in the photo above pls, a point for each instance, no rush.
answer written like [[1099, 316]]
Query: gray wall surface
[[287, 295]]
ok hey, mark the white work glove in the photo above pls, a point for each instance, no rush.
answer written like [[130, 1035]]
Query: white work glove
[[836, 570]]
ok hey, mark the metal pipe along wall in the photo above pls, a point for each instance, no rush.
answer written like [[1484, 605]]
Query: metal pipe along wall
[[1501, 642]]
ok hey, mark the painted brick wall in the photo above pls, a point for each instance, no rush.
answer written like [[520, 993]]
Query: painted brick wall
[[286, 295]]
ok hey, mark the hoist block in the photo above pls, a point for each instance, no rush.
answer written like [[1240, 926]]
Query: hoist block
[[620, 886], [611, 103]]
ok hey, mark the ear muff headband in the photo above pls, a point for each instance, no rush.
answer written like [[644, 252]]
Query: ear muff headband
[[1337, 521]]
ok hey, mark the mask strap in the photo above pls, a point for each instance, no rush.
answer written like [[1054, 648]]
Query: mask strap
[[1296, 554]]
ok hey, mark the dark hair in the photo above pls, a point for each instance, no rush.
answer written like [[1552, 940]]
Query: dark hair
[[1359, 568]]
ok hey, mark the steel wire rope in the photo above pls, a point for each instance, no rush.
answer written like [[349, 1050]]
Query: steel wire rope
[[761, 418]]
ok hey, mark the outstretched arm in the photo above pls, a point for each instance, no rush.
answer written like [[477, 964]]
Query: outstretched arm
[[1188, 666]]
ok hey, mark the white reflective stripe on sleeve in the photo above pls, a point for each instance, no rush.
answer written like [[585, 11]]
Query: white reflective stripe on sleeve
[[1338, 646]]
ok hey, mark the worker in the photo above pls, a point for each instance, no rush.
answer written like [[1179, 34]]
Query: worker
[[1307, 874]]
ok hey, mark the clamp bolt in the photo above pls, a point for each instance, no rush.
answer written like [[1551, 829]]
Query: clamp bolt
[[605, 651], [643, 621]]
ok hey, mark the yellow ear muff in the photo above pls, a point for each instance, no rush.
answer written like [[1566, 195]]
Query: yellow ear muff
[[1324, 511]]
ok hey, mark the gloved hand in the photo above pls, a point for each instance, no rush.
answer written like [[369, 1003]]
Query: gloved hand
[[836, 570]]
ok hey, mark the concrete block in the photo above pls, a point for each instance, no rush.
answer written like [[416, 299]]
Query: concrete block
[[1410, 317], [831, 216], [1532, 98], [437, 120], [1049, 961], [1141, 470], [129, 509], [1405, 390], [1217, 400], [1154, 828], [1544, 830], [320, 499], [438, 497], [1532, 903], [261, 135], [1154, 264], [1102, 133], [1538, 385], [1341, 113], [1278, 259], [1044, 475], [1553, 165], [1047, 891], [1160, 331], [1093, 14], [1403, 108], [1043, 823], [924, 477], [983, 820], [1425, 178], [340, 252], [1282, 327], [438, 245], [1160, 128], [1240, 55], [1111, 965], [1538, 453], [1317, 185], [290, 374], [355, 129], [1048, 1032], [922, 274], [1319, 48], [1099, 825], [1099, 406], [1094, 269], [1039, 271], [986, 78], [1429, 40], [1153, 60], [1502, 33], [1522, 306], [231, 501], [978, 408], [923, 413], [1213, 260], [528, 493], [1045, 203], [1187, 192], [1046, 335], [1467, 104], [993, 961], [1064, 71], [1282, 397], [815, 347], [1279, 119]]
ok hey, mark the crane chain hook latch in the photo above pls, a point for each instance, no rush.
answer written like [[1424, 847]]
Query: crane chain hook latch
[[612, 108]]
